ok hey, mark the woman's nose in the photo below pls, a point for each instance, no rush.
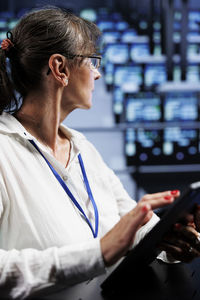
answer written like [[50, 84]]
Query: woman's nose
[[97, 74]]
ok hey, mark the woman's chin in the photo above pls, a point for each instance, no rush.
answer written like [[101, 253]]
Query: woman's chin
[[88, 104]]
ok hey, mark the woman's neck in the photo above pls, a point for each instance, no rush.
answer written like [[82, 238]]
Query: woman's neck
[[42, 119], [44, 125]]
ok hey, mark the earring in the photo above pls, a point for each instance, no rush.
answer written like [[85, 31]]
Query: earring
[[66, 81]]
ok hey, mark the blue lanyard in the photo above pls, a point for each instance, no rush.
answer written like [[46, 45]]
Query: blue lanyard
[[65, 187]]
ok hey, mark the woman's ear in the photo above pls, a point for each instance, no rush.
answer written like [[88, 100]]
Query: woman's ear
[[59, 68]]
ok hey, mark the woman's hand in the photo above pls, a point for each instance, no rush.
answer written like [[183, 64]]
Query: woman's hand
[[183, 241], [158, 200], [119, 239]]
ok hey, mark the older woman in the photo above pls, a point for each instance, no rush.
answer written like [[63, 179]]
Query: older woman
[[64, 215]]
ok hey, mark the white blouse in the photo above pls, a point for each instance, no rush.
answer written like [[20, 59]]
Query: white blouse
[[44, 239]]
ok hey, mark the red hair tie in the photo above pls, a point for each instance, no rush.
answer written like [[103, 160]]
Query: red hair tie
[[6, 44]]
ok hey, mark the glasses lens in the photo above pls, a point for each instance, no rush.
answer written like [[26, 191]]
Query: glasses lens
[[95, 62]]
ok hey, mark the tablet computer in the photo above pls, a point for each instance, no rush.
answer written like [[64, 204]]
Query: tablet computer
[[146, 250]]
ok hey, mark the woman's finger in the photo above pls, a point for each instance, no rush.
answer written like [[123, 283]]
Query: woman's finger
[[188, 232], [158, 201], [179, 252], [161, 199], [173, 193]]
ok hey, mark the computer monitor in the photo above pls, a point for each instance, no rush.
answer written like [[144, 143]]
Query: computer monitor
[[121, 25], [193, 49], [106, 25], [111, 36], [149, 146], [139, 50], [181, 145], [128, 35], [116, 53], [154, 74], [143, 107], [143, 146], [193, 73], [168, 146], [128, 77], [180, 106], [194, 20]]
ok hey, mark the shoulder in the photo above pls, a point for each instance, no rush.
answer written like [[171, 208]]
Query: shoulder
[[5, 140]]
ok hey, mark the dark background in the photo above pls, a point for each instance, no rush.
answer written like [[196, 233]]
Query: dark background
[[125, 5]]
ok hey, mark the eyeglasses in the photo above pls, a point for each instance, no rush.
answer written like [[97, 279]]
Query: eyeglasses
[[95, 60]]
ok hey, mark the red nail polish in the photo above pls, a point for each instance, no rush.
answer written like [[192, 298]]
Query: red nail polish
[[146, 208], [168, 197], [174, 192]]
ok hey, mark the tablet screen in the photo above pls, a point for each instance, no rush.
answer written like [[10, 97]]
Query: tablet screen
[[146, 251]]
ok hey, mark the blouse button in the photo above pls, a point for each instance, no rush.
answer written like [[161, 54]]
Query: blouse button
[[65, 178]]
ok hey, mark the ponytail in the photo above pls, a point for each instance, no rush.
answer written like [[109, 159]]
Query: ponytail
[[7, 94]]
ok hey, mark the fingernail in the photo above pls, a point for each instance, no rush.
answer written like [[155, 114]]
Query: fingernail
[[174, 192], [168, 197], [146, 208]]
